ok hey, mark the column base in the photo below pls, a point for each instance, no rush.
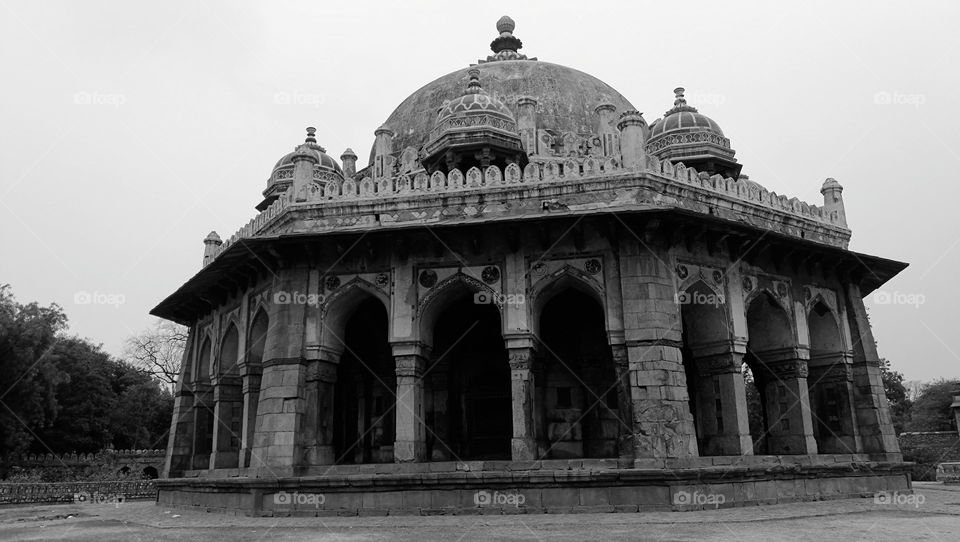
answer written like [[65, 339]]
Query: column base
[[523, 449], [407, 451]]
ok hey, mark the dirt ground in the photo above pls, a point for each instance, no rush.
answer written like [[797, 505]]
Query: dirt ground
[[932, 513]]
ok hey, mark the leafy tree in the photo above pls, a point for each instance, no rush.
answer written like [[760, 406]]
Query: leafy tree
[[896, 393], [28, 374], [931, 411]]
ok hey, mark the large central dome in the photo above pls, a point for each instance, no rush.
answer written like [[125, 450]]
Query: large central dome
[[566, 98]]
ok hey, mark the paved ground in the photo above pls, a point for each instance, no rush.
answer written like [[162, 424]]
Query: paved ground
[[933, 513]]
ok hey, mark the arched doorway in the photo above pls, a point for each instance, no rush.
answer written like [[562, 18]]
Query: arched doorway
[[467, 382], [830, 383], [712, 363], [228, 409], [256, 341], [364, 399], [581, 413], [203, 419], [780, 374]]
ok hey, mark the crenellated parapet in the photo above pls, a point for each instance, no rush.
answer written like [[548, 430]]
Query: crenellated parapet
[[409, 190]]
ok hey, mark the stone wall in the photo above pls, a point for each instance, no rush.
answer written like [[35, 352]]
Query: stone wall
[[104, 465], [112, 492], [928, 449]]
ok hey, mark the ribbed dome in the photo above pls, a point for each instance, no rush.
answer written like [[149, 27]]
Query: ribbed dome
[[324, 161], [474, 104], [683, 118]]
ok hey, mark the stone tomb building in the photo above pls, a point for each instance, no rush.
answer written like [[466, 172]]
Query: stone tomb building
[[529, 289]]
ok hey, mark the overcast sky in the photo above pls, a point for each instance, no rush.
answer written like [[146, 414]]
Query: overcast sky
[[129, 132]]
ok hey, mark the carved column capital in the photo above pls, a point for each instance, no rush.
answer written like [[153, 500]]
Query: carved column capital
[[410, 365]]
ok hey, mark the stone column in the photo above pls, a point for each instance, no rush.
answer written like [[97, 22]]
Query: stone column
[[227, 397], [202, 429], [831, 402], [621, 366], [411, 443], [527, 123], [632, 139], [607, 129], [787, 401], [321, 381], [277, 443], [438, 397], [722, 400], [662, 423], [180, 440], [523, 387], [870, 400], [252, 375]]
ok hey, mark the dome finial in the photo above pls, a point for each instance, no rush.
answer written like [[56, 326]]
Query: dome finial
[[311, 135], [680, 100], [505, 25], [473, 87]]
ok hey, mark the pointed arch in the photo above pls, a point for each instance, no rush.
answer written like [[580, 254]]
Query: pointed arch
[[229, 351], [442, 296], [559, 281], [203, 360], [257, 337], [768, 322], [341, 305]]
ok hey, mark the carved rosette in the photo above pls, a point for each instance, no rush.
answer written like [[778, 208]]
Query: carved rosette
[[490, 274], [592, 266], [382, 280], [682, 271], [428, 278], [332, 282]]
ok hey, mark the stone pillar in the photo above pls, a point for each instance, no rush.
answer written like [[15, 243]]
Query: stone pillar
[[411, 443], [870, 400], [527, 123], [787, 401], [607, 129], [202, 415], [349, 161], [632, 140], [662, 423], [321, 382], [304, 160], [277, 445], [227, 425], [438, 397], [831, 402], [523, 387], [382, 147], [833, 201], [252, 375], [621, 366], [180, 439], [210, 246], [722, 399]]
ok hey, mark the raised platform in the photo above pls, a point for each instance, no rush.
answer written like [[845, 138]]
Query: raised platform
[[554, 486]]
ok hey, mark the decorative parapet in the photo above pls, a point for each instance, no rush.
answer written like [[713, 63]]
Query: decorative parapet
[[540, 170]]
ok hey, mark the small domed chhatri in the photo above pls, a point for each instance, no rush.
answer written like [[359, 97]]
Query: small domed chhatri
[[281, 177], [686, 135], [528, 279]]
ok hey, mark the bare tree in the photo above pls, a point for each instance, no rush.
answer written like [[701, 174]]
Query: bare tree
[[158, 351]]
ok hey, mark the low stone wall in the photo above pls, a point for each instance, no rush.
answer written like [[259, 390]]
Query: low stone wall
[[93, 492], [106, 465], [928, 449], [538, 487]]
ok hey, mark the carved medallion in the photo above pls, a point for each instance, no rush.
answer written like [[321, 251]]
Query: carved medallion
[[383, 280], [717, 276], [781, 289], [539, 269], [682, 271], [592, 266], [747, 284], [428, 278], [490, 274], [332, 282]]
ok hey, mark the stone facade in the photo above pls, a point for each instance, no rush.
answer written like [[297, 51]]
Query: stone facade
[[592, 297]]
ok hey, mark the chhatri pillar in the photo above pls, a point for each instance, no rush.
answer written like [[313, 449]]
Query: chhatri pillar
[[411, 428]]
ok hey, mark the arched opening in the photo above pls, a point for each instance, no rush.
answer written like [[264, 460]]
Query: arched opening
[[229, 352], [713, 372], [467, 381], [364, 399], [123, 472], [150, 473], [830, 386], [256, 340], [777, 373], [203, 419], [581, 412]]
